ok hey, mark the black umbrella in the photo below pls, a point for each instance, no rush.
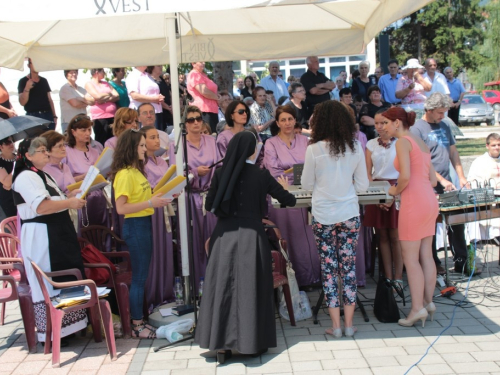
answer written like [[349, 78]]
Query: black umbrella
[[21, 127]]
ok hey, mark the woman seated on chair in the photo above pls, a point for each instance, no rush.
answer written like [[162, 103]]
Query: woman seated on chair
[[47, 234], [282, 151]]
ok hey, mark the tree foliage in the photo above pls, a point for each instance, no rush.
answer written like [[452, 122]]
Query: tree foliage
[[447, 30]]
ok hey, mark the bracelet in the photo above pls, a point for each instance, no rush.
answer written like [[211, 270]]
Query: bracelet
[[150, 203]]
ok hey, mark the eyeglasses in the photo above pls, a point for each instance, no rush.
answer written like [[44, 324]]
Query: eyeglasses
[[61, 146], [241, 111], [8, 142], [80, 118], [42, 151], [191, 120], [130, 122], [145, 113]]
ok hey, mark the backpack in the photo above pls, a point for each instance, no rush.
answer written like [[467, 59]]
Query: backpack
[[91, 254]]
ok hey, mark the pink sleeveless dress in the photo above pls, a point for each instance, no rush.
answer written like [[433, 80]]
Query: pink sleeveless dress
[[419, 206]]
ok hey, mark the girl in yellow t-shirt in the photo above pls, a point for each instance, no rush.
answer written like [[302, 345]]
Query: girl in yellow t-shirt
[[133, 199]]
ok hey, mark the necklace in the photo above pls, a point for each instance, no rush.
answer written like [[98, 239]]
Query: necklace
[[9, 160], [386, 145]]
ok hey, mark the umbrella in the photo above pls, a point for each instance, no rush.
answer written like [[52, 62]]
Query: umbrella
[[21, 127]]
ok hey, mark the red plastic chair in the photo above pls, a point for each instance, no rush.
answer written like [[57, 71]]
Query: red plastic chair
[[22, 293], [119, 282], [9, 225], [8, 249], [98, 311]]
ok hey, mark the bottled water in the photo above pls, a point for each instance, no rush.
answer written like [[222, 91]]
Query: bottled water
[[397, 201], [179, 299]]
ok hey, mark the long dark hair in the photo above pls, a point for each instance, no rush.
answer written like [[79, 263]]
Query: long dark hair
[[333, 123], [252, 86], [125, 155]]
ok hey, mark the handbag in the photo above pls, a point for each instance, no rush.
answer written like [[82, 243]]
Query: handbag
[[385, 307], [300, 301], [91, 254]]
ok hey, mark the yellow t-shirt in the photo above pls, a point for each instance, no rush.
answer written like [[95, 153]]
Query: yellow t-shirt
[[131, 183]]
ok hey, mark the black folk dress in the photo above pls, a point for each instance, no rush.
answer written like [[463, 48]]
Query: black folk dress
[[237, 311]]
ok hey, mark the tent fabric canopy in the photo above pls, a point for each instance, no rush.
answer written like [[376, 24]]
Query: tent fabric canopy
[[68, 34]]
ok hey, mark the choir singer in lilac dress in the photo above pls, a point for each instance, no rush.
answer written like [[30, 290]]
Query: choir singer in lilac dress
[[202, 153], [282, 151], [160, 282], [56, 149], [125, 118], [237, 117], [79, 158]]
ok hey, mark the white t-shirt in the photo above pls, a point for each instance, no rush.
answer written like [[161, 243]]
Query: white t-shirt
[[334, 198], [438, 85], [143, 84], [383, 160], [66, 93]]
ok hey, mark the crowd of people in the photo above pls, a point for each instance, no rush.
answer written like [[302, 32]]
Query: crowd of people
[[241, 146]]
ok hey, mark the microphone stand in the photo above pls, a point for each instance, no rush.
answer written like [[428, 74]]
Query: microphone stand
[[183, 134]]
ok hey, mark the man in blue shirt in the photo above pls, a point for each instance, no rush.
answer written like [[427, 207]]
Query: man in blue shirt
[[388, 83], [457, 93]]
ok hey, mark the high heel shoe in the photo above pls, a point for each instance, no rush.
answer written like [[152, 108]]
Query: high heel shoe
[[223, 356], [431, 309], [421, 315]]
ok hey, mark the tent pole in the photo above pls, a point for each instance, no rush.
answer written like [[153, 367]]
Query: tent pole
[[181, 207]]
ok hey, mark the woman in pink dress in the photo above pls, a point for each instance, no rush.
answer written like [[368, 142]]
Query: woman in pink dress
[[418, 212], [104, 109], [204, 92]]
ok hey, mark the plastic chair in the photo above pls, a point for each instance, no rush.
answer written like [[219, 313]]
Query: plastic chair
[[119, 282], [9, 225], [98, 310], [8, 249], [22, 293]]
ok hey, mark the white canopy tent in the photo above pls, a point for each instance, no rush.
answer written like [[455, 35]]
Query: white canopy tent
[[72, 34]]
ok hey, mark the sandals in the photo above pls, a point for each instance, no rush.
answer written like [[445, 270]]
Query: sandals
[[138, 328]]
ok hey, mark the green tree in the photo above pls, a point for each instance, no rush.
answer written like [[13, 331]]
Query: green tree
[[447, 30], [490, 70]]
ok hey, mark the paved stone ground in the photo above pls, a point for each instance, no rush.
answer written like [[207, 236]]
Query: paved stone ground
[[470, 346]]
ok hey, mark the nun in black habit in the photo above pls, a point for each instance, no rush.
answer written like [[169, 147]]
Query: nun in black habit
[[237, 312]]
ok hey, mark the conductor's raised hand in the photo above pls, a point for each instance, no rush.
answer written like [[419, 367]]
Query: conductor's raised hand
[[76, 203], [283, 182]]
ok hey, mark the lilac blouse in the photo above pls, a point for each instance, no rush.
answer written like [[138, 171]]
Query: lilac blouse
[[61, 174], [278, 157]]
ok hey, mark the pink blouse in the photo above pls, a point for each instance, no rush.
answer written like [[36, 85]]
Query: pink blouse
[[204, 104]]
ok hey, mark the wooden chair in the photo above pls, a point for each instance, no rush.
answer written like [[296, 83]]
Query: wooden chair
[[9, 225], [8, 249], [98, 311], [22, 293], [119, 282]]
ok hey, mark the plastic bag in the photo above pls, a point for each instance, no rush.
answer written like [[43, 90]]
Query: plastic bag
[[174, 331], [301, 307]]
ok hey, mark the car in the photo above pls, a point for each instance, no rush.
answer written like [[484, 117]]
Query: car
[[475, 110], [492, 97]]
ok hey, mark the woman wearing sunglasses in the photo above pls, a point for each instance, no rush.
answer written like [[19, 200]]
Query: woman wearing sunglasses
[[202, 154], [282, 152], [80, 156], [237, 116], [125, 118], [134, 200], [7, 160]]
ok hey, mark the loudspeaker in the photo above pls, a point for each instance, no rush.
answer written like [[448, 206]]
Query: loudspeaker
[[383, 51]]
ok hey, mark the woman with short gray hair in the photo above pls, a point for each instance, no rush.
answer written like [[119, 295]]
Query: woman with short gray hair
[[361, 84]]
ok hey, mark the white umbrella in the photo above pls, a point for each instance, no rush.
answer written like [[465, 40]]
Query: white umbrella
[[72, 34]]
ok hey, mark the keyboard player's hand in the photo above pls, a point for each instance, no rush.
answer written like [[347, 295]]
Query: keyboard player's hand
[[283, 182]]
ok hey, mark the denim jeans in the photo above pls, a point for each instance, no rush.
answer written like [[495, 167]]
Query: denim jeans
[[137, 234], [46, 116]]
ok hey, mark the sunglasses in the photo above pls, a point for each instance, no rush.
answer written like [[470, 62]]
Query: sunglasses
[[80, 118], [191, 120], [8, 142], [241, 111]]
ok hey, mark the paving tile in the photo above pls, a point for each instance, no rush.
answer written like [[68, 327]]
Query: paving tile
[[31, 367], [381, 352], [307, 366], [319, 372], [231, 369], [395, 370], [464, 347], [56, 371], [347, 354], [435, 369], [473, 368], [193, 371], [281, 357], [382, 361], [486, 356], [113, 368], [166, 364], [162, 356], [334, 364], [355, 371], [202, 362], [340, 344], [408, 360], [305, 356], [458, 357], [268, 368]]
